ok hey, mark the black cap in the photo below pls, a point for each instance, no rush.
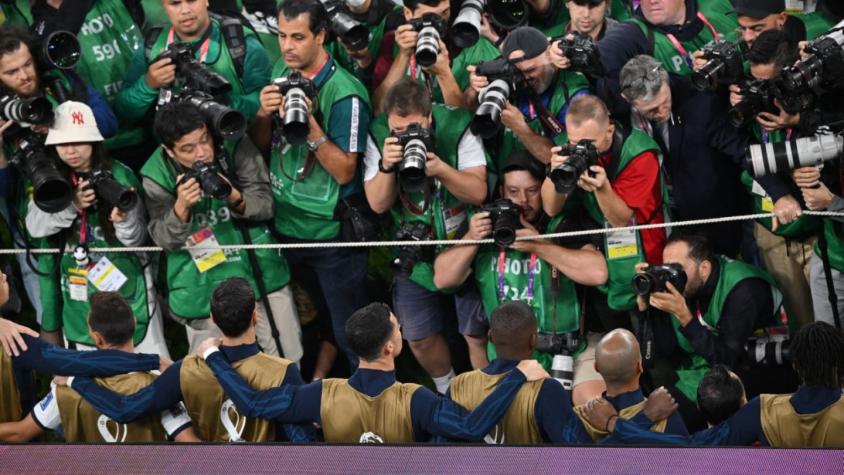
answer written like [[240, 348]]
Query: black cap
[[523, 160], [758, 8], [530, 40]]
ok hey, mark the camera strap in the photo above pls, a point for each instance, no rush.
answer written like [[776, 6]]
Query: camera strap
[[412, 207], [827, 272], [545, 116], [203, 47]]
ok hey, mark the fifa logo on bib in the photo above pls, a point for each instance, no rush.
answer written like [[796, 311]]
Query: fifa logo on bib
[[233, 427], [104, 425]]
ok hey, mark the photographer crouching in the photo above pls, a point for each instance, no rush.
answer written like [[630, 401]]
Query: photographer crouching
[[423, 162], [202, 192], [546, 275]]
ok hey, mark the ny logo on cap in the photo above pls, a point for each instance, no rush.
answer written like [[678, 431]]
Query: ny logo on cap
[[77, 117]]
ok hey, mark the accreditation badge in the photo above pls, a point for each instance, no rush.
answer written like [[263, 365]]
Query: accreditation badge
[[77, 284], [106, 277], [454, 218], [205, 250], [621, 243]]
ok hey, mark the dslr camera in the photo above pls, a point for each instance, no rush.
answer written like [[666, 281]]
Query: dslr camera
[[582, 155], [431, 27], [205, 89], [798, 85], [583, 53], [415, 141], [295, 88], [505, 80], [112, 193], [354, 35], [724, 66], [654, 279], [209, 180], [505, 216], [408, 256], [757, 96], [51, 190]]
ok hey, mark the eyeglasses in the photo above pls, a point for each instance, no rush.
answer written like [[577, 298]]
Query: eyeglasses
[[646, 76]]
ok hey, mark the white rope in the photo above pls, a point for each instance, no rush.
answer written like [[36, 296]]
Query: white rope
[[443, 242]]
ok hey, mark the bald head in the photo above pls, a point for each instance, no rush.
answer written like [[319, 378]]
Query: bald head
[[617, 357], [586, 107]]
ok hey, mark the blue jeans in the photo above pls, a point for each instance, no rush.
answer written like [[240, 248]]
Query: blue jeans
[[339, 274]]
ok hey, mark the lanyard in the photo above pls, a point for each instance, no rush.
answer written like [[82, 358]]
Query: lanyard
[[203, 48], [531, 272], [766, 136], [319, 70], [412, 72], [679, 46], [85, 234]]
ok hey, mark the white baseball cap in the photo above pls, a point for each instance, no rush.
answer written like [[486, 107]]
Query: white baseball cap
[[73, 122]]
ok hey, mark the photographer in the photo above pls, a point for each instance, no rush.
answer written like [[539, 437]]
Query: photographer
[[447, 77], [589, 17], [179, 181], [454, 178], [542, 273], [227, 48], [785, 243], [105, 212], [619, 184], [312, 182], [723, 302], [536, 120]]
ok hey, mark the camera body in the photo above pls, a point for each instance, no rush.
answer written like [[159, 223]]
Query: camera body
[[798, 85], [295, 88], [582, 155], [431, 27], [505, 80], [211, 183], [505, 216], [51, 190], [415, 141], [408, 256], [353, 34], [757, 96], [654, 279], [724, 66], [583, 53], [112, 193], [195, 75]]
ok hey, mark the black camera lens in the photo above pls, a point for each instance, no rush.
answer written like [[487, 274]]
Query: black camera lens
[[227, 122], [507, 14], [34, 110], [111, 192], [51, 190], [354, 35], [210, 182], [466, 30], [61, 50], [493, 99], [643, 284]]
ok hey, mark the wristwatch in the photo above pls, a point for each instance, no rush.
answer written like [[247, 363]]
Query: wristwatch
[[313, 146], [383, 169]]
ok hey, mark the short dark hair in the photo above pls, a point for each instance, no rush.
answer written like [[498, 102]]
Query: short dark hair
[[175, 120], [11, 38], [232, 305], [699, 248], [413, 4], [719, 395], [774, 47], [817, 351], [111, 316], [368, 330], [407, 97], [317, 16], [511, 325]]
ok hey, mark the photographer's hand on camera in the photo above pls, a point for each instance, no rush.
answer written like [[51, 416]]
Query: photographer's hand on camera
[[641, 301], [188, 194], [672, 302], [271, 101], [406, 37], [556, 56], [597, 183], [392, 153], [235, 200], [735, 94], [160, 73], [698, 60], [806, 177], [84, 196], [531, 245], [480, 227], [783, 120], [817, 199]]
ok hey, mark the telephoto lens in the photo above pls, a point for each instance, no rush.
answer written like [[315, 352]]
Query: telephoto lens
[[210, 182], [427, 46], [492, 100], [296, 89], [508, 15], [34, 110], [466, 29], [111, 192], [354, 35], [229, 123], [51, 190], [562, 369], [770, 158], [60, 49]]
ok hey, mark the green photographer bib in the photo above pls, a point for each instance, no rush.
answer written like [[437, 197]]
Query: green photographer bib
[[446, 215], [193, 275], [834, 232], [305, 202], [16, 12]]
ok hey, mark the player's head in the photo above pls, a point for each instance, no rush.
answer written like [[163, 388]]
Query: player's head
[[233, 307], [373, 333], [720, 394], [111, 322], [618, 358], [512, 329], [817, 352]]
